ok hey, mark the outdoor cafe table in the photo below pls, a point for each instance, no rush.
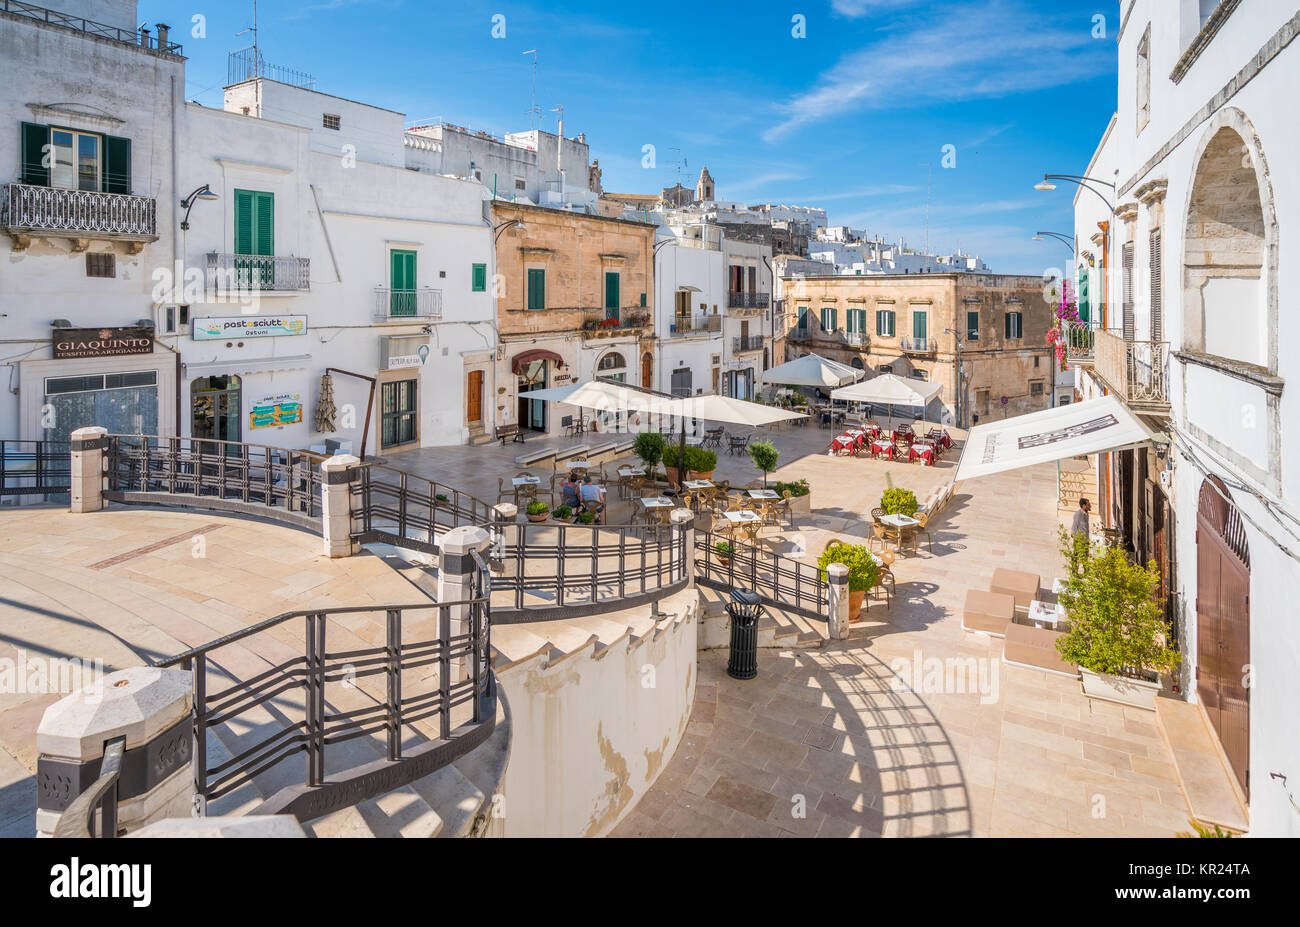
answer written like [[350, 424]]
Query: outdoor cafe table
[[631, 471], [529, 480], [656, 502], [698, 484], [922, 449], [940, 438], [583, 465], [843, 442], [763, 494], [882, 446], [898, 523]]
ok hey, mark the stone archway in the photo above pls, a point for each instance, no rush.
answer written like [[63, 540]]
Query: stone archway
[[1230, 248]]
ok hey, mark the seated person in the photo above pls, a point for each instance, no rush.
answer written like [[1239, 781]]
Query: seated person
[[569, 492], [592, 492]]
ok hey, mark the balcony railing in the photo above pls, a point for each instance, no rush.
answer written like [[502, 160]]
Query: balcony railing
[[748, 300], [856, 339], [747, 343], [227, 272], [918, 345], [694, 325], [1136, 371], [1080, 341], [141, 38], [403, 305], [27, 210], [597, 323]]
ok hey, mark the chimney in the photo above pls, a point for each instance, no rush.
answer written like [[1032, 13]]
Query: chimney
[[163, 31], [144, 36]]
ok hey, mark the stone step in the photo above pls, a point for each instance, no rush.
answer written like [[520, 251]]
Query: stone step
[[514, 642], [403, 812], [1203, 774], [458, 800]]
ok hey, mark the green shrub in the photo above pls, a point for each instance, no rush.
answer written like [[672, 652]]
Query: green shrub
[[862, 569], [585, 518], [724, 549], [699, 459], [440, 497], [650, 447], [764, 455], [563, 512], [898, 501], [537, 507], [797, 488], [1117, 623]]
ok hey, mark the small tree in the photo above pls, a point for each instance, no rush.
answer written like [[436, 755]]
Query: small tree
[[898, 501], [862, 568], [1116, 616], [764, 455], [650, 447]]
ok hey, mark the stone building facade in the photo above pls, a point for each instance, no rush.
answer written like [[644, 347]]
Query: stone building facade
[[913, 325], [575, 300]]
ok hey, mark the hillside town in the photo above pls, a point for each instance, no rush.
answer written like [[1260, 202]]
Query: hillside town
[[909, 544]]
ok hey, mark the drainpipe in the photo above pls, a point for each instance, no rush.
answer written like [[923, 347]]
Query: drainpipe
[[177, 285]]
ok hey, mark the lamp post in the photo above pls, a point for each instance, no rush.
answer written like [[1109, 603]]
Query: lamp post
[[202, 193], [959, 390], [500, 229], [1067, 240]]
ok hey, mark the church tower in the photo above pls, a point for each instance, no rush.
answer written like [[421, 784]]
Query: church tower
[[704, 187]]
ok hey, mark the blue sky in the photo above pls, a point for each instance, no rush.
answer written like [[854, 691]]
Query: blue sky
[[843, 118]]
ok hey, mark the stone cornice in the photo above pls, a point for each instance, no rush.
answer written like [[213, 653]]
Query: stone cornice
[[1128, 212], [1203, 39], [1152, 192]]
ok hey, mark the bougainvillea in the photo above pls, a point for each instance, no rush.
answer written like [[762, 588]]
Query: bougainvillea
[[1065, 315]]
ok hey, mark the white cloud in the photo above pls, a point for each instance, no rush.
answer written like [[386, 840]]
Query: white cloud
[[998, 49]]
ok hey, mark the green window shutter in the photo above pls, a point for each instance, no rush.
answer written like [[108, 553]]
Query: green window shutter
[[611, 290], [479, 283], [642, 300], [536, 288], [1007, 325], [1084, 307], [254, 222], [803, 318], [402, 295], [243, 222], [35, 138], [264, 224], [117, 164], [919, 320]]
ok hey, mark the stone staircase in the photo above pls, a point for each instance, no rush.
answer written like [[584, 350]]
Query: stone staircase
[[479, 435]]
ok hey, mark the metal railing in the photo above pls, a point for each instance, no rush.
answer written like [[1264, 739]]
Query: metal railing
[[250, 478], [394, 507], [247, 64], [605, 320], [238, 272], [747, 343], [736, 300], [918, 345], [551, 571], [400, 305], [1138, 371], [694, 324], [857, 339], [325, 697], [779, 581], [35, 468], [73, 213], [140, 39], [1080, 340], [78, 819]]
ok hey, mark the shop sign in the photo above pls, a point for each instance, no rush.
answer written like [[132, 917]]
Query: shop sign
[[247, 326], [280, 409], [102, 342]]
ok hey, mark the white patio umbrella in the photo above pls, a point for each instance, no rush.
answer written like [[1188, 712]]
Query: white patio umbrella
[[811, 370], [889, 389], [604, 395]]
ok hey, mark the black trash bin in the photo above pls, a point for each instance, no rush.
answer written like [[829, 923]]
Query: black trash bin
[[745, 611]]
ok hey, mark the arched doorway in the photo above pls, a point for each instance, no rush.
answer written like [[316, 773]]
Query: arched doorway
[[1223, 623], [1226, 306], [647, 370]]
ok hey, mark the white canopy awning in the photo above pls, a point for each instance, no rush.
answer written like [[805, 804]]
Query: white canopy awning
[[890, 389], [811, 370], [1091, 427], [606, 396], [714, 408]]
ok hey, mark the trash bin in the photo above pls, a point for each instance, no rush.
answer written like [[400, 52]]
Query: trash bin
[[744, 611]]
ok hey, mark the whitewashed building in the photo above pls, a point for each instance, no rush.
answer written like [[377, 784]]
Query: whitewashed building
[[1201, 257], [690, 301], [747, 329]]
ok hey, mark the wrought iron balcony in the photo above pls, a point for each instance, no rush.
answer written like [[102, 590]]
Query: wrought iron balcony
[[240, 272], [747, 343], [856, 339], [696, 324], [1080, 341], [748, 300], [407, 305], [603, 323], [918, 345], [28, 211], [1136, 371]]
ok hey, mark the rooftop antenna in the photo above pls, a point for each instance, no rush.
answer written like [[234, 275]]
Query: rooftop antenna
[[929, 174], [680, 162], [533, 111], [257, 56]]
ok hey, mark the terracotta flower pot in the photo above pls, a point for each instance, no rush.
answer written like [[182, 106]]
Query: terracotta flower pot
[[535, 519], [855, 603], [701, 475], [672, 475]]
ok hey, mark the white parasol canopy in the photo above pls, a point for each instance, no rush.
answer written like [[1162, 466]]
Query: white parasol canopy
[[811, 370], [714, 408], [606, 396], [890, 390]]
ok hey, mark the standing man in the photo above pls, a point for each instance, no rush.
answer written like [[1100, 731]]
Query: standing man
[[1079, 533]]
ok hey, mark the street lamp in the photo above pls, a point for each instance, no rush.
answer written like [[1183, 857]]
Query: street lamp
[[959, 390], [1081, 180], [202, 193], [1067, 240], [505, 225]]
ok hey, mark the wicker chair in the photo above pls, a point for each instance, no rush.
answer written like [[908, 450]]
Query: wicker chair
[[885, 575], [911, 534], [876, 514]]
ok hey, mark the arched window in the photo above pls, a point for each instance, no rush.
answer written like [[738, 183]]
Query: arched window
[[612, 361], [856, 363]]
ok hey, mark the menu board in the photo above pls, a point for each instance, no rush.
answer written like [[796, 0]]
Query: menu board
[[281, 409]]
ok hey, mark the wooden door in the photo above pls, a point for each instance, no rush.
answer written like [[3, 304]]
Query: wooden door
[[1223, 624], [474, 397], [647, 371]]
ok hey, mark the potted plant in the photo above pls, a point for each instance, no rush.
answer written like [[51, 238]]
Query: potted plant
[[649, 447], [701, 462], [862, 571], [585, 518], [898, 501], [562, 513], [1117, 634], [764, 455], [537, 511], [724, 551], [800, 495], [440, 501]]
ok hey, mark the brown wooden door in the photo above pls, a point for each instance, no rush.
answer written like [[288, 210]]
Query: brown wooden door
[[1223, 626], [474, 396], [647, 371]]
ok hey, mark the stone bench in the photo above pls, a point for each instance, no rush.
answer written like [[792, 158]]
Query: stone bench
[[989, 612], [544, 455], [1035, 648], [1021, 586]]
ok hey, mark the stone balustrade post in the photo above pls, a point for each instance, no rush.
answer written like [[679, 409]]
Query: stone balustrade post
[[507, 516], [151, 708], [338, 473], [87, 486], [685, 519], [837, 601], [456, 583]]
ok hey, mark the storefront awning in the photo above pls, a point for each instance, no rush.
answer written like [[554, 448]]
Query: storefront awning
[[1092, 427], [521, 360], [243, 366]]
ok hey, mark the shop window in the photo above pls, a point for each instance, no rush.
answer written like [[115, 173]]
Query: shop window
[[398, 413]]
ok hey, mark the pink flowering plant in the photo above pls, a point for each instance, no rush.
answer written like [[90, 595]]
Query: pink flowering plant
[[1065, 315]]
